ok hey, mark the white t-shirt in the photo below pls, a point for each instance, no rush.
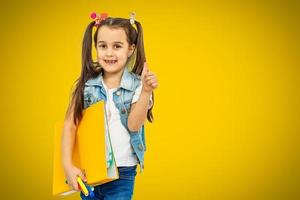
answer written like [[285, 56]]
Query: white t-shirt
[[119, 136]]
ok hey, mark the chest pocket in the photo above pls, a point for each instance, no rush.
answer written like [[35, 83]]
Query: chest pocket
[[127, 99]]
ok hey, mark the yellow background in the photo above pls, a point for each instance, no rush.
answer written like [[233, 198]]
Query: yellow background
[[226, 109]]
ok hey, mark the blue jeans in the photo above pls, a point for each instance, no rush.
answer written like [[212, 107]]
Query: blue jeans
[[120, 189]]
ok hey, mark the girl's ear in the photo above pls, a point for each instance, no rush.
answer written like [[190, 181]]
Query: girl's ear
[[131, 50]]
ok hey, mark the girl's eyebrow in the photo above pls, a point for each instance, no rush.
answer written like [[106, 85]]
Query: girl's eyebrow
[[116, 42]]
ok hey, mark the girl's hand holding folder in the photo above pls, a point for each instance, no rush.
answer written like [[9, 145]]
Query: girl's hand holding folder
[[71, 173]]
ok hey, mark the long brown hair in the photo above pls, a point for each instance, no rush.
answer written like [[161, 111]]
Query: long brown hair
[[91, 69]]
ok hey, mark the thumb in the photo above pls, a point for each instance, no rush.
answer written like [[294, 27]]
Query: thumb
[[145, 70]]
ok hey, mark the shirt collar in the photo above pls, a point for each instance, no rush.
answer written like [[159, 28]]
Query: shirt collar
[[127, 80]]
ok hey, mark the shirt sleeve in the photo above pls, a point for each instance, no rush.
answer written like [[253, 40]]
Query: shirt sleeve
[[137, 94]]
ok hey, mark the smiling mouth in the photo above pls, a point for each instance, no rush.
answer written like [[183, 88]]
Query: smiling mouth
[[110, 61]]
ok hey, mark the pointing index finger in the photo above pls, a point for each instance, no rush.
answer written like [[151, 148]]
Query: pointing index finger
[[145, 70]]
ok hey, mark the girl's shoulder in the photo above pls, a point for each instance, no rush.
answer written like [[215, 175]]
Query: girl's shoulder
[[130, 80], [136, 76], [137, 80], [94, 81]]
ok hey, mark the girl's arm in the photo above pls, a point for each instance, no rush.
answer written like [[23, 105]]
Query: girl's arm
[[67, 142], [138, 111]]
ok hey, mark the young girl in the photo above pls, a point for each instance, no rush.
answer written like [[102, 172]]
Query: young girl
[[119, 77]]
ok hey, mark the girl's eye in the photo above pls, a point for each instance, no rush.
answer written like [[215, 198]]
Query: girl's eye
[[118, 46], [101, 46]]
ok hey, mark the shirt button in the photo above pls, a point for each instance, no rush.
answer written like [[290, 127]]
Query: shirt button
[[140, 147], [123, 111], [118, 93]]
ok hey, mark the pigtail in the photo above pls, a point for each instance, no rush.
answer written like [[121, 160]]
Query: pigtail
[[140, 59], [90, 67], [140, 51], [88, 70]]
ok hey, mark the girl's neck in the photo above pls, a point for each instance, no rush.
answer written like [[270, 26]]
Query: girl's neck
[[112, 80]]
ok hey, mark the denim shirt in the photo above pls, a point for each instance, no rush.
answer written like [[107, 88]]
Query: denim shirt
[[94, 91]]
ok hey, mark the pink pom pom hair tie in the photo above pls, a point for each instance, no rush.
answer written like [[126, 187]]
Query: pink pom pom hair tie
[[98, 18]]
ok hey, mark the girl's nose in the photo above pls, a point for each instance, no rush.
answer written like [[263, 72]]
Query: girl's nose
[[109, 52]]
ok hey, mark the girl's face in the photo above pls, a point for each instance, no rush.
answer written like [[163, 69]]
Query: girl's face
[[113, 49]]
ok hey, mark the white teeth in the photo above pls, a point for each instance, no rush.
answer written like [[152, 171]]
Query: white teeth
[[110, 61]]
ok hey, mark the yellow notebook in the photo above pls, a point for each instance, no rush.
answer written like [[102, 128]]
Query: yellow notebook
[[89, 151]]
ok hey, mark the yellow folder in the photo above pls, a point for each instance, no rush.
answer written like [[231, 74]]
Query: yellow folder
[[89, 151]]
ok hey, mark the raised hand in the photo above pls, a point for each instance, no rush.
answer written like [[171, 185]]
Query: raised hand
[[148, 79]]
